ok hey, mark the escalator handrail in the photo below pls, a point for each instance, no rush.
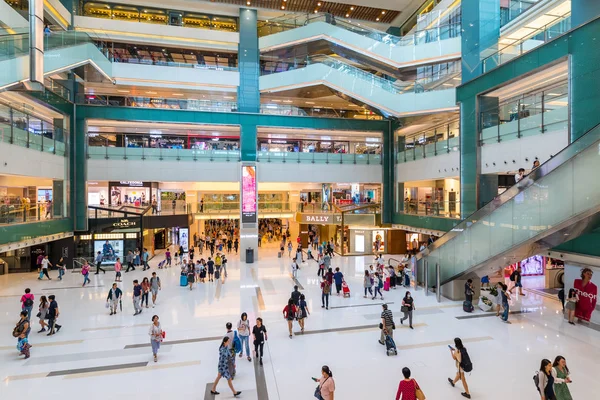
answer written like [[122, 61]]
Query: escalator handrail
[[591, 137]]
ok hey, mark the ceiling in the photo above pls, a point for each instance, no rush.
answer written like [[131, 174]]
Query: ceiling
[[416, 124]]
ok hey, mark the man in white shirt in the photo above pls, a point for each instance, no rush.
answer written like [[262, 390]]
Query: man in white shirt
[[294, 268], [45, 263], [520, 175]]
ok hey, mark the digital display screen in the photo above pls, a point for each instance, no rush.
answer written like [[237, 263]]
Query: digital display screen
[[110, 250], [249, 209], [184, 239]]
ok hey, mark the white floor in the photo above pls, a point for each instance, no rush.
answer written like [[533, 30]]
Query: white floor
[[504, 356]]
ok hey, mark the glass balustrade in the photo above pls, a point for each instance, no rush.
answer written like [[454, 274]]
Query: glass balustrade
[[442, 139], [318, 158], [22, 128], [164, 63], [429, 35], [12, 46], [445, 209], [234, 206], [161, 154], [19, 212]]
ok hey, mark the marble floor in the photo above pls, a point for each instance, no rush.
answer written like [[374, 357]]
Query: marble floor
[[103, 357]]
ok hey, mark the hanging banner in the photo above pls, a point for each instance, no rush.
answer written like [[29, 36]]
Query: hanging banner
[[249, 206]]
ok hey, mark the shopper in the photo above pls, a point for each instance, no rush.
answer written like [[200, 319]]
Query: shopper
[[295, 296], [289, 313], [303, 313], [44, 266], [211, 269], [469, 291], [294, 269], [113, 299], [145, 258], [85, 271], [259, 334], [43, 313], [326, 387], [325, 291], [516, 278], [118, 268], [21, 332], [53, 314], [378, 285], [191, 272], [505, 296], [572, 300], [338, 277], [145, 291], [154, 287], [546, 381], [560, 372], [367, 283], [223, 368], [408, 388], [387, 325], [408, 306], [463, 364], [129, 260], [137, 296], [168, 258], [156, 336], [243, 329], [27, 301], [99, 259], [62, 268], [136, 258]]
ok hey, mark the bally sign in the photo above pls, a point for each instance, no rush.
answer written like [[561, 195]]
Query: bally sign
[[336, 219], [324, 219], [125, 223]]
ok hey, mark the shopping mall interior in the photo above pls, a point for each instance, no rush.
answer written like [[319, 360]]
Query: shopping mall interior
[[438, 155]]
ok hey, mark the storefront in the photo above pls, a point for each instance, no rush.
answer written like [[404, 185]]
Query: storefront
[[113, 237], [136, 193]]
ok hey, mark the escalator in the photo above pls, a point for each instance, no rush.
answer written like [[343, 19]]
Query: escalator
[[555, 203], [391, 98], [62, 51], [363, 44]]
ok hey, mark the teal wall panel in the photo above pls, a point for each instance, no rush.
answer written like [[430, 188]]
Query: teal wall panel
[[469, 158], [586, 244], [389, 167], [248, 142], [248, 61], [425, 222], [78, 169], [584, 10], [18, 232]]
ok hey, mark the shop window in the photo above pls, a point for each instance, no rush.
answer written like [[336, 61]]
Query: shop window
[[197, 21], [98, 10], [126, 13], [225, 24], [153, 16]]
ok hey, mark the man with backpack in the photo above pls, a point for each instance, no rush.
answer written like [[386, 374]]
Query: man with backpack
[[154, 287], [515, 277], [27, 302], [325, 291]]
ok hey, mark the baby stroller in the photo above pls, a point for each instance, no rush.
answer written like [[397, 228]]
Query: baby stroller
[[390, 346], [345, 289]]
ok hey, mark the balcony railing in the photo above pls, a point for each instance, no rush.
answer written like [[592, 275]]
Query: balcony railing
[[161, 154], [318, 158], [445, 209], [19, 213]]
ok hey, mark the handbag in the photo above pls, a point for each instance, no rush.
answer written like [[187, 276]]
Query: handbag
[[404, 309], [418, 392], [318, 391], [39, 314]]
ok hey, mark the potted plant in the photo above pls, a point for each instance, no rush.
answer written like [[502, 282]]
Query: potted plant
[[485, 304]]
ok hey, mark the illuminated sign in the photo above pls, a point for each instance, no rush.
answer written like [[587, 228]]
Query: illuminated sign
[[125, 223], [249, 207]]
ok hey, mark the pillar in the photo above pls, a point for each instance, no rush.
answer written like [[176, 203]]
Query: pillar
[[583, 71], [388, 167], [248, 60], [78, 172], [481, 29]]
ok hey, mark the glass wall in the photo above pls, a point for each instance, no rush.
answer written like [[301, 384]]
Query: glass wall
[[441, 139]]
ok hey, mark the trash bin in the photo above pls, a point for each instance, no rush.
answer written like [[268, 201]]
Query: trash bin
[[249, 255]]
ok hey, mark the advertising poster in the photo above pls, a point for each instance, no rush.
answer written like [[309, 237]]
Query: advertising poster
[[184, 238], [533, 266], [585, 280], [110, 249], [249, 207]]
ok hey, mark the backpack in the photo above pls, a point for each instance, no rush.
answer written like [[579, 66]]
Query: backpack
[[28, 302], [465, 361], [536, 380], [513, 276], [237, 343], [327, 287]]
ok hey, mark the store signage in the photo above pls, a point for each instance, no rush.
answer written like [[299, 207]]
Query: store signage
[[324, 219], [131, 183], [336, 219], [249, 207], [125, 223]]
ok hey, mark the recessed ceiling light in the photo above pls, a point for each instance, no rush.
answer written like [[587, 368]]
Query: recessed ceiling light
[[283, 7], [376, 19], [248, 3], [351, 8], [177, 94], [122, 91], [275, 101], [288, 101], [309, 102], [228, 97], [319, 4], [347, 15], [316, 11], [383, 12], [151, 92]]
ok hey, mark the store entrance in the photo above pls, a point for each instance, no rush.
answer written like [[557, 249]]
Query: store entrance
[[272, 230]]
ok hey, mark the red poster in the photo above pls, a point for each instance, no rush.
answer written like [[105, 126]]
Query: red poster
[[588, 295]]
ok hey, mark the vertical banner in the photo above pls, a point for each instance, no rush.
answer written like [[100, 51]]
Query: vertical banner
[[184, 239], [249, 206]]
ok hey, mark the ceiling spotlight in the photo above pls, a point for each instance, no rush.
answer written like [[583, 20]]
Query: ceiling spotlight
[[347, 15], [376, 19], [283, 7], [316, 11], [248, 3], [319, 4], [383, 12], [351, 8]]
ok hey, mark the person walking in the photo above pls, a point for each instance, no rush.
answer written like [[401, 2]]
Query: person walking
[[505, 296], [304, 313], [85, 271], [156, 336], [408, 306], [560, 372], [243, 329], [223, 368], [572, 300], [338, 277], [294, 269], [129, 259], [378, 285], [289, 314], [168, 258], [387, 324], [469, 291], [326, 384], [27, 301], [295, 296], [145, 291], [259, 335], [53, 314], [546, 381], [154, 287], [211, 269], [136, 258], [145, 258], [463, 364], [43, 313], [191, 272], [44, 267], [137, 296], [114, 297], [367, 283], [408, 387], [325, 291], [62, 268], [99, 259], [516, 278], [21, 332], [118, 268], [289, 248]]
